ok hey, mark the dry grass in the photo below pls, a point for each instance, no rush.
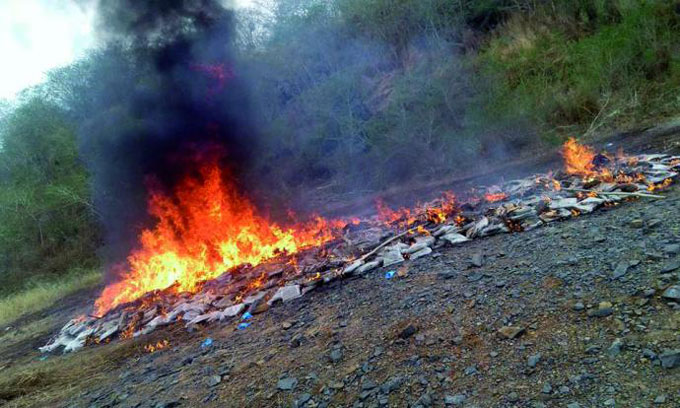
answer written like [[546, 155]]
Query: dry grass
[[43, 294], [520, 33], [44, 383]]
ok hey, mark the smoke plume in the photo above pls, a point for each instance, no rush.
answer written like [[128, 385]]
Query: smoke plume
[[170, 95]]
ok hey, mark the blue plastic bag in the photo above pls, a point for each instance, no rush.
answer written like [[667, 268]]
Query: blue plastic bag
[[390, 274], [243, 326], [207, 343], [246, 316]]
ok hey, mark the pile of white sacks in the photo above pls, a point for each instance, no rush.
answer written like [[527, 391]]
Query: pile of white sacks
[[530, 203]]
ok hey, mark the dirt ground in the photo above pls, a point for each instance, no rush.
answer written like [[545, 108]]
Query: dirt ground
[[427, 337]]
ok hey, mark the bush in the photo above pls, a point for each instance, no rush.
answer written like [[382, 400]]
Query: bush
[[587, 63], [363, 95], [47, 227]]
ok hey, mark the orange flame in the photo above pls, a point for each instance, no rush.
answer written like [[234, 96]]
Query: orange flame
[[160, 345], [660, 186], [204, 228], [493, 197], [556, 185], [578, 159], [387, 215], [421, 230], [436, 212]]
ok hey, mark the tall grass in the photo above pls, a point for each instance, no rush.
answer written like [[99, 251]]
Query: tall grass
[[42, 294], [584, 67]]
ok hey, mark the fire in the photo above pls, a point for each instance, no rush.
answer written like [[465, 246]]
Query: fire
[[492, 198], [653, 187], [316, 277], [160, 345], [387, 215], [436, 215], [436, 212], [257, 283], [578, 159], [584, 195], [556, 185], [203, 228], [421, 230]]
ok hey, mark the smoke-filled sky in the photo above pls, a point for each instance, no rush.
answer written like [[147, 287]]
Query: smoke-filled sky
[[38, 35]]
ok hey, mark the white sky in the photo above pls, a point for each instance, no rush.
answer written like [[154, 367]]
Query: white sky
[[38, 35]]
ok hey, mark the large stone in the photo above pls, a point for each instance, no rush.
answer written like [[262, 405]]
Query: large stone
[[477, 259], [533, 360], [454, 400], [615, 348], [670, 358], [671, 266], [510, 332], [408, 331], [621, 269], [604, 309], [672, 293], [286, 293], [287, 384]]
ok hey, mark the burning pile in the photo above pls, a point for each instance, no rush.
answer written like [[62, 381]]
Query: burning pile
[[203, 229], [210, 257]]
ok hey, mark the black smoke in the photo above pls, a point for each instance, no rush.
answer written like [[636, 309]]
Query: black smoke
[[166, 91]]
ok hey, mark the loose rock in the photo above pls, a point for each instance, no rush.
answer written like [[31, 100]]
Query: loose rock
[[510, 332], [455, 400], [287, 384], [670, 358], [672, 293]]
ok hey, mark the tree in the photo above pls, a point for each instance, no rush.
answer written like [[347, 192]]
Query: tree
[[46, 222]]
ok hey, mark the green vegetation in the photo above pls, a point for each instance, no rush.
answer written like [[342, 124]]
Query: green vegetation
[[47, 227], [374, 93], [577, 66]]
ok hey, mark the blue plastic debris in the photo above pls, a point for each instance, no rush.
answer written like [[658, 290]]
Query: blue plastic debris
[[243, 326], [390, 274], [207, 343], [246, 316]]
